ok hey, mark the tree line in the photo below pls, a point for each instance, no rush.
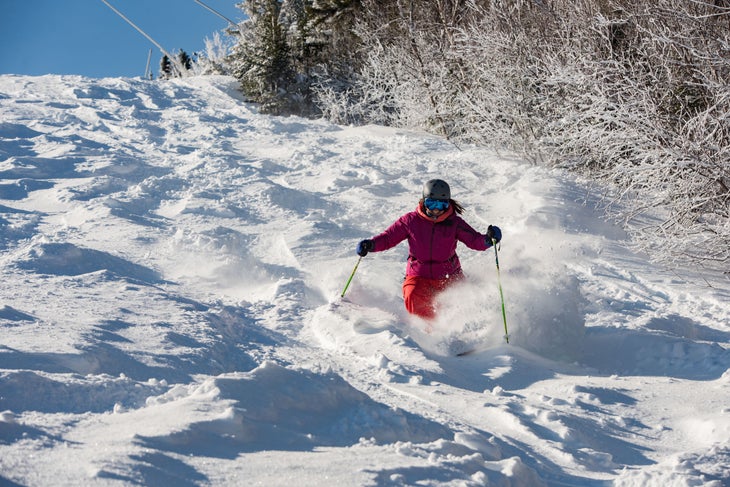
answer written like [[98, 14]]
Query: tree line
[[627, 92]]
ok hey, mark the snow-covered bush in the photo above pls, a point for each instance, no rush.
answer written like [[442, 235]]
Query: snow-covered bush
[[637, 95], [214, 59]]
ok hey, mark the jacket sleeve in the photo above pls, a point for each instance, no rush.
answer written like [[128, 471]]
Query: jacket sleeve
[[392, 236], [470, 237]]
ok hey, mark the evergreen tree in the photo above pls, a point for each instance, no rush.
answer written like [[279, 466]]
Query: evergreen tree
[[166, 69], [260, 60], [184, 60], [285, 46]]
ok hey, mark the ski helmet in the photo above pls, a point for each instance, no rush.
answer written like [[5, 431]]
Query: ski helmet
[[437, 189]]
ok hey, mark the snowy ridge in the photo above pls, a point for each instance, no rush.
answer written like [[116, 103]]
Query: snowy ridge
[[172, 263]]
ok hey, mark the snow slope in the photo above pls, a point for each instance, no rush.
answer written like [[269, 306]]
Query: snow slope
[[172, 263]]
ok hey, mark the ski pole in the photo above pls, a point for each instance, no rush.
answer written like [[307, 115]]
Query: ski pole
[[501, 294], [351, 276]]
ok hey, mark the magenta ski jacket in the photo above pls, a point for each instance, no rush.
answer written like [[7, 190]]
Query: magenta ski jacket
[[431, 243]]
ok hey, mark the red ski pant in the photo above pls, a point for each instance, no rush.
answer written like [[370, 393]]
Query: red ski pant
[[419, 294]]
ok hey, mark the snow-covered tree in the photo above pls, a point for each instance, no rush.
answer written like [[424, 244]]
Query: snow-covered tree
[[283, 47], [166, 68], [214, 59], [184, 60]]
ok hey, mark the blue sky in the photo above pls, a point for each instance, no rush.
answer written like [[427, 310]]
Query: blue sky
[[86, 37]]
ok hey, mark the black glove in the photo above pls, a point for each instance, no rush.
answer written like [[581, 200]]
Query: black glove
[[493, 233], [364, 247]]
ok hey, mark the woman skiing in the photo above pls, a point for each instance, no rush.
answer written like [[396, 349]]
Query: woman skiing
[[433, 231]]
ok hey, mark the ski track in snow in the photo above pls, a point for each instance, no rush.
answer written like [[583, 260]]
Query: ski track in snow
[[172, 263]]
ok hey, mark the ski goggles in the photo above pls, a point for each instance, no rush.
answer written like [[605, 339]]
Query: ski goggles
[[435, 205]]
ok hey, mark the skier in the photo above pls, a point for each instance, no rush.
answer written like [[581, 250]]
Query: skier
[[433, 231]]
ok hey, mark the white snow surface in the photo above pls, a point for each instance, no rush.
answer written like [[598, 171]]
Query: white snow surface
[[170, 311]]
